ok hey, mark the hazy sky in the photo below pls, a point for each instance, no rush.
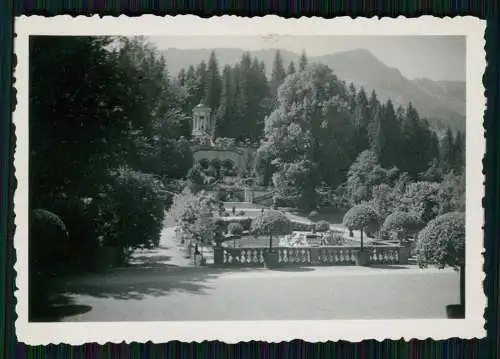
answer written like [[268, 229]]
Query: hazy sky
[[434, 57]]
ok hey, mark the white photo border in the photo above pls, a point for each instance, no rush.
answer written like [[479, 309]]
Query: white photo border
[[271, 331]]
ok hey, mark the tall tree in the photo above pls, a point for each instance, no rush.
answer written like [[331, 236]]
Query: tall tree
[[291, 68], [278, 74], [376, 135], [389, 126], [201, 81], [362, 115], [447, 151], [311, 126], [190, 89], [459, 152], [181, 77], [226, 107], [243, 97], [303, 61], [417, 148], [353, 94], [213, 85]]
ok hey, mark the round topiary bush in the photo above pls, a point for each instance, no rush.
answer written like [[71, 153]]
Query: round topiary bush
[[442, 241], [322, 226], [402, 224], [235, 228], [359, 218]]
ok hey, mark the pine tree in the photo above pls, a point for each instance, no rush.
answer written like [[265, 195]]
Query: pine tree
[[447, 151], [302, 61], [243, 98], [278, 74], [390, 152], [213, 85], [259, 100], [181, 77], [459, 148], [201, 81], [376, 134], [353, 94], [291, 68], [226, 107], [418, 149], [191, 89], [361, 120], [374, 128]]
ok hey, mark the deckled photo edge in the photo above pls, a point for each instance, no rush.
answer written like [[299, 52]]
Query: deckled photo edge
[[272, 331]]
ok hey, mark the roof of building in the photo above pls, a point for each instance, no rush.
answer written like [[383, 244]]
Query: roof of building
[[201, 105]]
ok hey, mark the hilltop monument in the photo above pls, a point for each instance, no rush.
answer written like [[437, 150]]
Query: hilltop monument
[[203, 121]]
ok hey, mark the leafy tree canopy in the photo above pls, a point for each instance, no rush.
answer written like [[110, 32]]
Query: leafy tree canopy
[[360, 216]]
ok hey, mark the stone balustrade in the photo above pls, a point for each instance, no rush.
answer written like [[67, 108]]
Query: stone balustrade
[[327, 255]]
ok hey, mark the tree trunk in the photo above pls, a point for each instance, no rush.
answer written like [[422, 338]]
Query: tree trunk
[[270, 240], [361, 239], [462, 285]]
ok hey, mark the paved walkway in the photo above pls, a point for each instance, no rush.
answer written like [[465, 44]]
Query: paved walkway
[[169, 253], [162, 285], [300, 294]]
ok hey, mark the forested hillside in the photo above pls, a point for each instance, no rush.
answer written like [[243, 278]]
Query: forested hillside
[[442, 102]]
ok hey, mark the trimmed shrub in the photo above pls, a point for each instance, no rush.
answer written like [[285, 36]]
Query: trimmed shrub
[[360, 217], [235, 228], [241, 213], [401, 224], [442, 241], [224, 222], [322, 226]]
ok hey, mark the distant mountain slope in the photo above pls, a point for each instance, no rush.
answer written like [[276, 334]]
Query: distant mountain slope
[[442, 102]]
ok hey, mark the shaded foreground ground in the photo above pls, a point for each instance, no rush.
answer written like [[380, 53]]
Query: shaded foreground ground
[[161, 285], [303, 293]]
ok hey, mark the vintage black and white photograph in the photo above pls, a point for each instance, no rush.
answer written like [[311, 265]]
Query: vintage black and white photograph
[[257, 178]]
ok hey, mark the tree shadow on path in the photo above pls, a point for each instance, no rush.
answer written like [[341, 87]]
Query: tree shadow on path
[[388, 266], [138, 282], [293, 269], [59, 307]]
